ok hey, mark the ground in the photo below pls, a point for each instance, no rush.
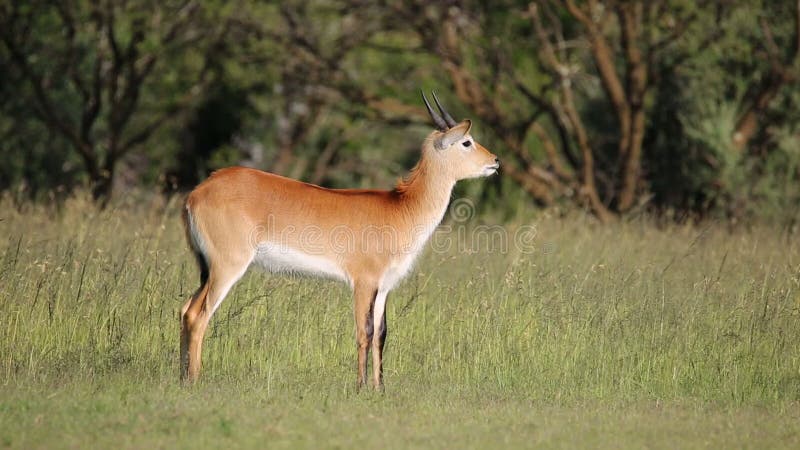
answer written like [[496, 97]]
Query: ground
[[568, 334]]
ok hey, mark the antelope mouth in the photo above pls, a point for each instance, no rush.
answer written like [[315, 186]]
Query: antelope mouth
[[491, 169]]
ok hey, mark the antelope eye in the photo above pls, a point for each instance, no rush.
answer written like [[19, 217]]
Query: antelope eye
[[466, 143]]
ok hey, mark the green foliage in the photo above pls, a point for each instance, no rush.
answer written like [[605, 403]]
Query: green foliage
[[296, 76], [692, 162], [711, 176]]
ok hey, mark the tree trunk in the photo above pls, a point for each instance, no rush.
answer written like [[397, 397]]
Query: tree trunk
[[632, 162], [102, 184], [747, 125], [632, 129]]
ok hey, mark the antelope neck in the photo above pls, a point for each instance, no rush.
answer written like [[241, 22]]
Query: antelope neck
[[425, 194]]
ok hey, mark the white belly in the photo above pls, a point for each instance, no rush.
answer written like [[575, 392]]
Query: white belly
[[280, 258]]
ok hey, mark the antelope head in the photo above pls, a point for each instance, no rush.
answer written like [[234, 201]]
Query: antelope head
[[455, 149]]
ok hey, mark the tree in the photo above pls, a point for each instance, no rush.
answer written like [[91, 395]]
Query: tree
[[90, 67], [319, 46], [608, 104], [550, 91], [781, 61]]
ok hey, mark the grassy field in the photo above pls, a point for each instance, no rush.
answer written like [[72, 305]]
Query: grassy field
[[629, 335]]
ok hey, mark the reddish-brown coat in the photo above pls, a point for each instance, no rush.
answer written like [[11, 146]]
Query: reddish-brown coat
[[240, 215]]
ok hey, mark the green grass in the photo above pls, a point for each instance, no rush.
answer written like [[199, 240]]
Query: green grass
[[629, 335]]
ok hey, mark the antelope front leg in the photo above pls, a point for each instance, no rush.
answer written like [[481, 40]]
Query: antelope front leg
[[379, 338], [364, 299]]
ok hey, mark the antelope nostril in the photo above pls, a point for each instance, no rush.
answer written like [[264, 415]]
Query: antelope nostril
[[497, 161]]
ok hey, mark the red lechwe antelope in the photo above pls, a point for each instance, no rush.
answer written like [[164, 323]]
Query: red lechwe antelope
[[367, 238]]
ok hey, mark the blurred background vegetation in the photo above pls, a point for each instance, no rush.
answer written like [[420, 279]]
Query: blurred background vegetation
[[685, 109]]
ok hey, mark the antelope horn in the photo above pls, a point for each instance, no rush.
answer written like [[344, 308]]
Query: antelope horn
[[440, 123], [447, 117]]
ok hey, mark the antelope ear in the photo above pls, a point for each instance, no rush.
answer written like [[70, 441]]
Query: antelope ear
[[454, 134]]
